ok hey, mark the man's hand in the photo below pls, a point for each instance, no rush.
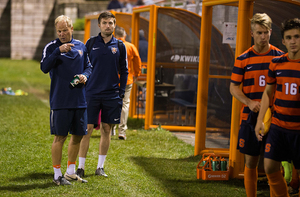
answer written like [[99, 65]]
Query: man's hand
[[259, 127], [254, 106], [82, 78], [65, 48]]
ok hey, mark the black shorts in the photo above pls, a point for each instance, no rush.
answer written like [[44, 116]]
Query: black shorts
[[64, 121], [283, 145], [247, 141], [110, 110]]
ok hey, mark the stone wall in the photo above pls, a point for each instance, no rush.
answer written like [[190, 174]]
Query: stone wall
[[28, 20], [27, 26]]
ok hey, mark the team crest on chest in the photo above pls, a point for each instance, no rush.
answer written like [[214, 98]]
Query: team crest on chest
[[80, 52], [114, 50]]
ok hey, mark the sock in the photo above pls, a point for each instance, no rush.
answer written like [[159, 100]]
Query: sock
[[295, 179], [250, 181], [57, 171], [277, 184], [81, 162], [101, 160], [71, 167]]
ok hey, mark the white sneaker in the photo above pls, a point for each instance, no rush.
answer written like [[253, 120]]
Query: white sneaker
[[100, 172], [122, 136], [74, 177], [61, 181]]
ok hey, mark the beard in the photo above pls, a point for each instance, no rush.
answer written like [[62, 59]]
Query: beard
[[106, 34]]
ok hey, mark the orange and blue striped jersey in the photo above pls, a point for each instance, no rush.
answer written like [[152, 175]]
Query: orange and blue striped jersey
[[285, 74], [251, 69]]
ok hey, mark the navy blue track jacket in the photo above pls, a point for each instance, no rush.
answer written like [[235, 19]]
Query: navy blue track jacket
[[105, 82], [62, 68]]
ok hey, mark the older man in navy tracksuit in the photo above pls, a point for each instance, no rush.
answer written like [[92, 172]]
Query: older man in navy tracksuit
[[63, 58]]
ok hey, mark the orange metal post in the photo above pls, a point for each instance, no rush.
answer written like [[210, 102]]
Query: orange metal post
[[150, 68], [150, 63], [135, 24], [218, 2], [87, 29], [243, 42], [203, 72], [175, 128], [153, 23]]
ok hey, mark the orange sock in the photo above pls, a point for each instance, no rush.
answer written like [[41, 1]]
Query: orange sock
[[69, 163], [56, 166], [250, 181], [277, 184]]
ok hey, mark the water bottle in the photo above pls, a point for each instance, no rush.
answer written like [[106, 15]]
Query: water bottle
[[223, 164], [75, 81]]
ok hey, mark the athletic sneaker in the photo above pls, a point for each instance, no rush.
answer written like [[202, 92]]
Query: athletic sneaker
[[122, 136], [74, 177], [80, 172], [100, 172], [61, 181]]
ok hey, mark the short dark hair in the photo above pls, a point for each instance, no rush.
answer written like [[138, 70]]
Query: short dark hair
[[120, 32], [106, 14], [290, 24]]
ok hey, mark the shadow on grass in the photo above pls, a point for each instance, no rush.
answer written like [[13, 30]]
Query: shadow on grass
[[27, 178], [179, 178]]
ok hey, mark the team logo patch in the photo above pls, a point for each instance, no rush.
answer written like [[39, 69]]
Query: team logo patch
[[80, 52], [114, 50]]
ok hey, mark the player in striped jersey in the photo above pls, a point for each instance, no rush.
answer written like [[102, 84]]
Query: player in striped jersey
[[283, 140], [251, 69]]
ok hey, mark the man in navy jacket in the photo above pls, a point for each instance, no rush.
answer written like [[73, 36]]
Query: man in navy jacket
[[105, 88], [64, 58]]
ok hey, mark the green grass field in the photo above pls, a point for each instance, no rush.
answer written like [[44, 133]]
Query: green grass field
[[148, 163]]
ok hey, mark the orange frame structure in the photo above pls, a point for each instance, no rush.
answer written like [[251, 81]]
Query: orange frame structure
[[151, 54], [152, 37], [153, 10]]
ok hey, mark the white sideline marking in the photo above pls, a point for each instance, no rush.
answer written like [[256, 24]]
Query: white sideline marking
[[45, 101]]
